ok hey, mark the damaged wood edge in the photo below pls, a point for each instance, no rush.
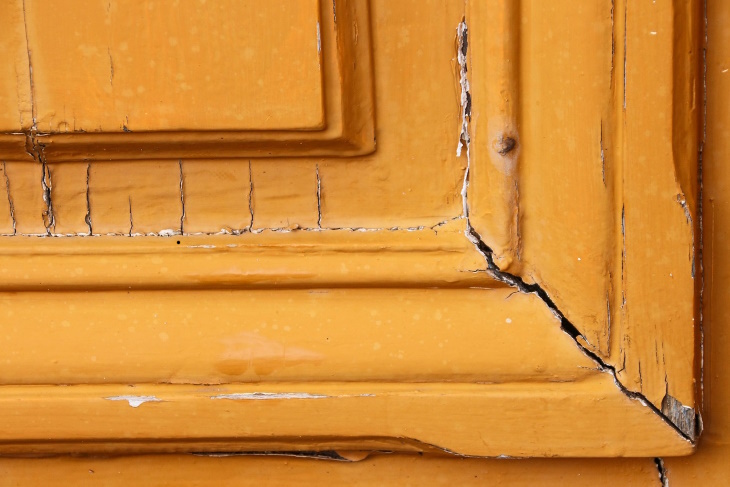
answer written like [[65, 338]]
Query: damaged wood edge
[[419, 448], [10, 199], [331, 455], [33, 146], [662, 472], [124, 422], [682, 419], [700, 213]]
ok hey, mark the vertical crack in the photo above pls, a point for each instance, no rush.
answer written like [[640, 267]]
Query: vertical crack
[[700, 223], [662, 470], [603, 157], [250, 196], [87, 218], [462, 32], [182, 197], [10, 199], [30, 71], [319, 198], [131, 221], [613, 44], [49, 219], [626, 26], [111, 67]]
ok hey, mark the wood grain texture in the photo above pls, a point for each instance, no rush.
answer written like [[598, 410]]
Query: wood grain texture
[[581, 186], [129, 199], [709, 466], [286, 197], [655, 338], [217, 196], [24, 183]]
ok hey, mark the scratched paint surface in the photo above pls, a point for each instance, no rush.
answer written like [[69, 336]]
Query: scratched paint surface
[[518, 192]]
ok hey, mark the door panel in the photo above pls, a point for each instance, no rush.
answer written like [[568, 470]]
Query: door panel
[[424, 206]]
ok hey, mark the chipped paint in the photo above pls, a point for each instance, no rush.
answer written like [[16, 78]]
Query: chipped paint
[[134, 401]]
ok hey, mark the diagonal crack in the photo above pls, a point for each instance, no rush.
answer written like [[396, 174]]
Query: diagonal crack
[[565, 324], [510, 279]]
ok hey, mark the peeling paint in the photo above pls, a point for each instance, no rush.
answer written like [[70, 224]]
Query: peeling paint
[[10, 199], [462, 33], [319, 39], [516, 281], [134, 401]]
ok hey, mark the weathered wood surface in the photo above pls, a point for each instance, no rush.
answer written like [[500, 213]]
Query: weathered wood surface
[[509, 202]]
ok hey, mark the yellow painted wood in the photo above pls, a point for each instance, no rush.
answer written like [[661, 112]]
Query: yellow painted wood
[[659, 273], [23, 180], [194, 84], [15, 97], [709, 465], [122, 87], [340, 267], [188, 470], [229, 210], [289, 197], [301, 416], [581, 185], [264, 336]]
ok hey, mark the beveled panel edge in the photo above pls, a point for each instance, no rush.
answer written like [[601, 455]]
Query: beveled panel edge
[[349, 114], [274, 258], [475, 420]]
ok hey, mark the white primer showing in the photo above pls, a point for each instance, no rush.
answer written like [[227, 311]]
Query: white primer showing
[[461, 30], [319, 39], [202, 246], [167, 232], [134, 401]]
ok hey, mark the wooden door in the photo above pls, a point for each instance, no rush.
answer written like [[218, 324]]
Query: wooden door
[[350, 225]]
